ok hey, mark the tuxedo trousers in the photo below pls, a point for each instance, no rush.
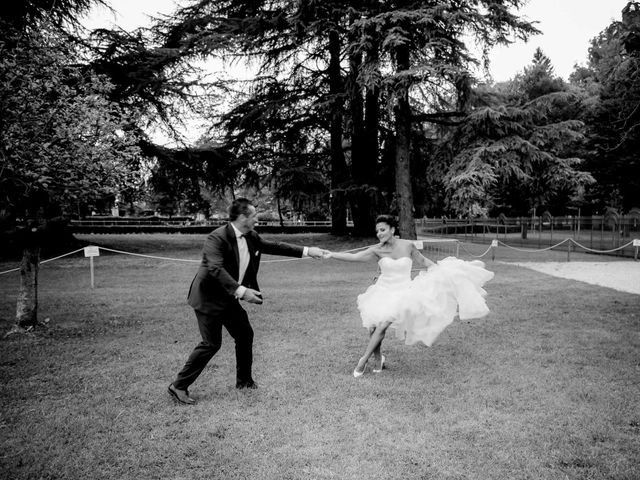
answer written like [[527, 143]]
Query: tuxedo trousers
[[235, 320]]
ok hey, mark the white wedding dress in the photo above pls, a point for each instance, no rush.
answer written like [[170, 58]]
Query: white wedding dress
[[421, 308]]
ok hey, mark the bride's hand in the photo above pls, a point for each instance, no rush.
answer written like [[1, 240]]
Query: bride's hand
[[326, 255]]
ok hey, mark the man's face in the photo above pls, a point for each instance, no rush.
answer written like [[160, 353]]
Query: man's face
[[247, 223]]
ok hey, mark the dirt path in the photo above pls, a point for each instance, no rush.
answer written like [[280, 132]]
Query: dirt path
[[619, 275]]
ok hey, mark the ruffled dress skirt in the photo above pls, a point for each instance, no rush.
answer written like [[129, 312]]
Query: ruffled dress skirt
[[421, 308]]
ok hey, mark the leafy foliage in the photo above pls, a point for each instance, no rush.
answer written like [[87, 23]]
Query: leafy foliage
[[17, 18], [184, 180], [327, 86], [538, 78], [62, 142], [516, 149], [613, 118]]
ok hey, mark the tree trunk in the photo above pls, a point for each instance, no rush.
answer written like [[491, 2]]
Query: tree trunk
[[27, 304], [279, 211], [364, 146], [358, 196], [404, 192], [371, 125], [339, 174]]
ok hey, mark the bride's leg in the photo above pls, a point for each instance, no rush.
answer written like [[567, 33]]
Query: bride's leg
[[375, 340], [376, 351], [377, 356]]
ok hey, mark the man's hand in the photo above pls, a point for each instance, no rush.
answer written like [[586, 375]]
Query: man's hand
[[252, 296], [316, 252]]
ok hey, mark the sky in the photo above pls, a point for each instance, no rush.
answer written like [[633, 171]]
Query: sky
[[567, 27]]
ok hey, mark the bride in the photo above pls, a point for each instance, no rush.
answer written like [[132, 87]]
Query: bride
[[417, 309]]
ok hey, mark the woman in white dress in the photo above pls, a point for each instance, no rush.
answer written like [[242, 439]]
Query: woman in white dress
[[418, 309]]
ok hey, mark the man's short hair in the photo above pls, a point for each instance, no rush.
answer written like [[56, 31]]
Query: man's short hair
[[240, 206]]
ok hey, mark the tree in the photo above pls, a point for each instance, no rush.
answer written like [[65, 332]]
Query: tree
[[516, 149], [325, 62], [62, 143], [155, 80], [538, 78], [423, 42], [613, 116], [260, 146]]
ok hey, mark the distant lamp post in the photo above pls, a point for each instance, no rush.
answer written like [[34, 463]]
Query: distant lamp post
[[577, 229]]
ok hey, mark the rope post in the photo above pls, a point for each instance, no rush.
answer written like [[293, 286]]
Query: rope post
[[636, 245], [568, 251], [494, 245], [91, 252]]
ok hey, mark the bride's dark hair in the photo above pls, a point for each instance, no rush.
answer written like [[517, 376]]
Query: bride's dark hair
[[388, 219]]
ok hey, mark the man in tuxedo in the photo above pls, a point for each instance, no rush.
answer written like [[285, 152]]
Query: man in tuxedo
[[228, 275]]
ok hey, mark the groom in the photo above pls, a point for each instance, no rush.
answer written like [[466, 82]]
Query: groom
[[228, 275]]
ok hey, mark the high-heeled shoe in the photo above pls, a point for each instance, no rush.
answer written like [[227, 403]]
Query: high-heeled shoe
[[378, 370], [358, 374]]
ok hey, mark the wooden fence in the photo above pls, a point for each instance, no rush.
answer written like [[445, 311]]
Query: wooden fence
[[609, 233], [598, 233]]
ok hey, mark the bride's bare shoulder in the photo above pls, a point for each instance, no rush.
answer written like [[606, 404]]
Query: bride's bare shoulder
[[408, 244]]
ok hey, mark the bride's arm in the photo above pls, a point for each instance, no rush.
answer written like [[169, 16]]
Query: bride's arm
[[362, 256], [419, 258]]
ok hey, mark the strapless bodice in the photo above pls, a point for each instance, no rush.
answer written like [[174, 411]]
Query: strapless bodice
[[394, 270], [388, 263]]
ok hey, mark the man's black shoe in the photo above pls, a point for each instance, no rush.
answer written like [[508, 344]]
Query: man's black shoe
[[181, 396], [246, 384]]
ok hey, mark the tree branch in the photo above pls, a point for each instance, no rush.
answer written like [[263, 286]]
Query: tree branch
[[441, 118]]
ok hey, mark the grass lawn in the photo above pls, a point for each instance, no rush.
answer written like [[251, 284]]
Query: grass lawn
[[545, 387]]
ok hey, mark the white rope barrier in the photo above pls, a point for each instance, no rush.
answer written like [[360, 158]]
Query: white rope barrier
[[9, 271], [44, 261], [570, 240], [149, 256], [476, 256], [494, 244], [536, 250], [60, 256], [164, 258], [602, 251]]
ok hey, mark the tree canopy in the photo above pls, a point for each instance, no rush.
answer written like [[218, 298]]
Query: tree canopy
[[63, 143], [515, 150], [354, 105], [612, 76], [339, 82]]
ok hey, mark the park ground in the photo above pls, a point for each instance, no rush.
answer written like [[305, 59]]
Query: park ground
[[545, 387]]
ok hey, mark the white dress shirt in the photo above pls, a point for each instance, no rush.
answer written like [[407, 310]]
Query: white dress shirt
[[243, 254], [244, 257]]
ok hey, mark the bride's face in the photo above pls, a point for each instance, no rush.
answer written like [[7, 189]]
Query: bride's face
[[384, 231]]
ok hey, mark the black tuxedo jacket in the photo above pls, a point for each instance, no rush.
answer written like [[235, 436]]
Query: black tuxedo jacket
[[213, 288]]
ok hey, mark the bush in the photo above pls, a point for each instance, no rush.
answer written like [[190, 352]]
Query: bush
[[317, 215], [55, 237], [268, 217]]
